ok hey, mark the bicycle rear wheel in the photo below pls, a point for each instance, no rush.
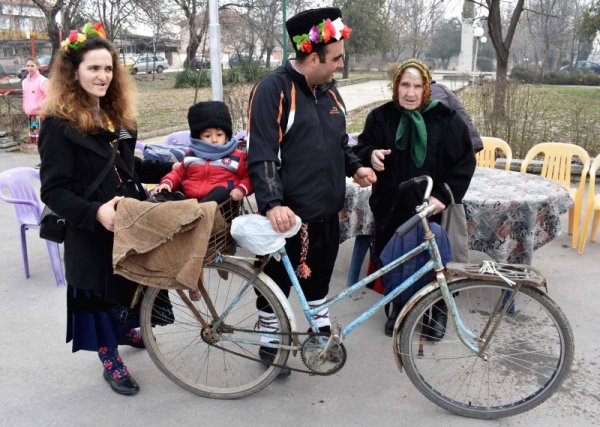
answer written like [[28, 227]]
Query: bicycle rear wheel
[[226, 365], [529, 355]]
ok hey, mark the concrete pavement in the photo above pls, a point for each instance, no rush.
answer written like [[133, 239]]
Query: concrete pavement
[[43, 383]]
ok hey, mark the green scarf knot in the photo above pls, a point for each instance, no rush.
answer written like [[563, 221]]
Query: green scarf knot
[[412, 132]]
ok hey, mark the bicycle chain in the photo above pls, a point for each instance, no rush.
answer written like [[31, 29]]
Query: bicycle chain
[[291, 334]]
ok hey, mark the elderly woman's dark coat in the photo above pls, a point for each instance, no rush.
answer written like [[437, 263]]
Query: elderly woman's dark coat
[[449, 159], [70, 163]]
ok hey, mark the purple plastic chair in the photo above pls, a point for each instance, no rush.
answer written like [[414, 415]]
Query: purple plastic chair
[[16, 187], [140, 145], [181, 137]]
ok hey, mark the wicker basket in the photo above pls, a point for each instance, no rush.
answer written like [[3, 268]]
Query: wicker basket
[[221, 242]]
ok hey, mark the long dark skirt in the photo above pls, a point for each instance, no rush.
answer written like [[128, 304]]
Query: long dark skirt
[[94, 322]]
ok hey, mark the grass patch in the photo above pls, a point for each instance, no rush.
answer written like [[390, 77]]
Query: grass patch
[[538, 113]]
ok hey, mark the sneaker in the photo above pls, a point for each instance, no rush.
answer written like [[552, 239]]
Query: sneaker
[[267, 355]]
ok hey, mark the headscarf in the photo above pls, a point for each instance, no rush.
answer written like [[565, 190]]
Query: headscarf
[[411, 130]]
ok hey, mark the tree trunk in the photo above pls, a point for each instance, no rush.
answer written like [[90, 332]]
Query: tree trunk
[[191, 49], [500, 90], [502, 48], [346, 71]]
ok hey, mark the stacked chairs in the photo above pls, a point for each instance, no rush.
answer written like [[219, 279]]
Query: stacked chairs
[[592, 207], [557, 166]]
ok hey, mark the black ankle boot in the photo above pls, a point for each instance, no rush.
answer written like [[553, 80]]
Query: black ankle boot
[[436, 327], [389, 325]]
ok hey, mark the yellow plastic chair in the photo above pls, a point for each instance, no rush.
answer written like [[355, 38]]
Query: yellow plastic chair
[[486, 158], [593, 206], [557, 167]]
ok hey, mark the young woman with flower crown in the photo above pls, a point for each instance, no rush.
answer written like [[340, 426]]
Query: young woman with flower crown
[[91, 108]]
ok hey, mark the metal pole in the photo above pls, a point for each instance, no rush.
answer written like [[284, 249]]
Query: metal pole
[[284, 35], [475, 59], [214, 31]]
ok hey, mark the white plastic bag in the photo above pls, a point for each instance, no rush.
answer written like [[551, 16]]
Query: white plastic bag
[[255, 233]]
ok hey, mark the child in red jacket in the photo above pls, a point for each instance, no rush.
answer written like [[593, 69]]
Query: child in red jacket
[[213, 169]]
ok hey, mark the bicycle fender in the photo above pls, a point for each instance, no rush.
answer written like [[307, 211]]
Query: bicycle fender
[[432, 286], [287, 307]]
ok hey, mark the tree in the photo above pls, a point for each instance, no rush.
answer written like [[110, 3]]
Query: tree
[[369, 28], [588, 27], [156, 15], [502, 44], [114, 15], [446, 40], [411, 24], [70, 11], [196, 17]]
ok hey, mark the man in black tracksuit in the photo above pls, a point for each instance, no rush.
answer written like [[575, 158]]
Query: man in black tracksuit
[[298, 155]]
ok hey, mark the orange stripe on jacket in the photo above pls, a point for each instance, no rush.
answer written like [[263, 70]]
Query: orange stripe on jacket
[[337, 102], [292, 114], [281, 97]]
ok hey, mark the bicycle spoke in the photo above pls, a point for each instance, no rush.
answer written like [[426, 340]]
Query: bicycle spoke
[[526, 359]]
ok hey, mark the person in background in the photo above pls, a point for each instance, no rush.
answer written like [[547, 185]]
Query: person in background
[[445, 95], [298, 157], [413, 135], [35, 90], [90, 113]]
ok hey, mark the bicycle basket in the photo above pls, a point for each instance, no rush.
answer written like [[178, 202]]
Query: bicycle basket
[[221, 242]]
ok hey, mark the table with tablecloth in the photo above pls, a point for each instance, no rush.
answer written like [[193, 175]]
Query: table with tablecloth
[[509, 214]]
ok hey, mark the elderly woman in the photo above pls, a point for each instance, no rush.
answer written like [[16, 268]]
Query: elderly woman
[[413, 135]]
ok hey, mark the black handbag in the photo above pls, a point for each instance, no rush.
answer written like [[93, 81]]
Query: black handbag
[[54, 227]]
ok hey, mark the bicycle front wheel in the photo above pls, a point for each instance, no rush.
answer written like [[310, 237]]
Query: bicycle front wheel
[[529, 354], [225, 364]]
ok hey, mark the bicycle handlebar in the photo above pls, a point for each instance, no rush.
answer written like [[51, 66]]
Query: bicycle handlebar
[[408, 225], [417, 180]]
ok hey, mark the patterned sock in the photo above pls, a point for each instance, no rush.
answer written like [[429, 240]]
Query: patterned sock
[[112, 362], [133, 336]]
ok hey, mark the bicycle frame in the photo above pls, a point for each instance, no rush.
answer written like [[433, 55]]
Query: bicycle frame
[[434, 264]]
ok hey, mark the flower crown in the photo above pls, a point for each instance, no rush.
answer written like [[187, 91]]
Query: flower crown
[[322, 32], [70, 45]]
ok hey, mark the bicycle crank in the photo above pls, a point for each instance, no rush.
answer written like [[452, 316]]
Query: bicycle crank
[[320, 361]]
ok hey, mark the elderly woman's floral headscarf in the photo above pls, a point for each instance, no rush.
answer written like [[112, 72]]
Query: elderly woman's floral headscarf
[[412, 132], [423, 69]]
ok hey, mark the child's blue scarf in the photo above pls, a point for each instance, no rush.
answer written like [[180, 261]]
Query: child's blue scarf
[[208, 151]]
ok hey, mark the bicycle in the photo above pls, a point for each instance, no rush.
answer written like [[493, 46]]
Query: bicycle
[[509, 347]]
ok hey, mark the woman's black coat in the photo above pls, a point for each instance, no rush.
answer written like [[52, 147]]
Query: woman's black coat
[[70, 163], [449, 159]]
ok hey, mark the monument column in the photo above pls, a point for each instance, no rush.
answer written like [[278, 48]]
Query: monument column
[[465, 57]]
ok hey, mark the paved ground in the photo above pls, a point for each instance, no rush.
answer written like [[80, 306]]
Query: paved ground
[[43, 383]]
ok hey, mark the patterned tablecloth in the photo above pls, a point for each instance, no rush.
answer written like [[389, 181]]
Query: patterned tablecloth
[[509, 214]]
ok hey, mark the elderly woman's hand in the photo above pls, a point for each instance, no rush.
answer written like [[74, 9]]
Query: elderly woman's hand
[[438, 205], [377, 158]]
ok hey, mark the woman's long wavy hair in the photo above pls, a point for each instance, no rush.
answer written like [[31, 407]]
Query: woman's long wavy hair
[[67, 99]]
